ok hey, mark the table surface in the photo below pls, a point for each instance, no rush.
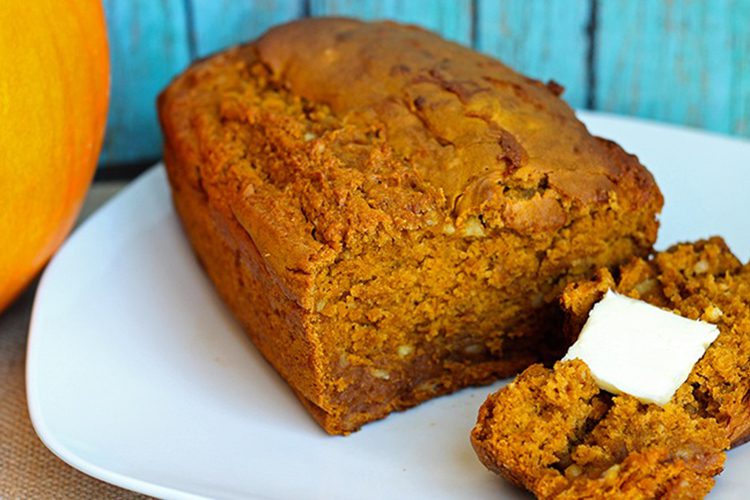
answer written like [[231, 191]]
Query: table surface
[[27, 468]]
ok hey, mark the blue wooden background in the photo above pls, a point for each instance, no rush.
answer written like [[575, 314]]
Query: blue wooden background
[[680, 61]]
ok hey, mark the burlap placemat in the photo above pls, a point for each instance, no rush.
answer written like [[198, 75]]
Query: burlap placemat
[[27, 468]]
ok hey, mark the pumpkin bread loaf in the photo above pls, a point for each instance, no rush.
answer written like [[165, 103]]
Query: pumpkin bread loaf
[[556, 433], [392, 216]]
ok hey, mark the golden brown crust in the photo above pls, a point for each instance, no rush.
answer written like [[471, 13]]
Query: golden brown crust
[[555, 433], [412, 207]]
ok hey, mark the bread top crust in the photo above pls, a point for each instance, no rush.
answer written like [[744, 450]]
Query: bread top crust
[[470, 123], [372, 130]]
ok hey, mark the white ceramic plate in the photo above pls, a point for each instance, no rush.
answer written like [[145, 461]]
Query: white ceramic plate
[[139, 376]]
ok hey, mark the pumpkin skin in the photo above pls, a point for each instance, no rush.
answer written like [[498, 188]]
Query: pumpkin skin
[[54, 93]]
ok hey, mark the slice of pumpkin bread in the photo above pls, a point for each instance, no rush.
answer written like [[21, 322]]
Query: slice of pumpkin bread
[[556, 433]]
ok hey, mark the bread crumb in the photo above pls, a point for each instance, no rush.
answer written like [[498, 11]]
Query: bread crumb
[[473, 228], [701, 267], [645, 286], [474, 349], [405, 350], [713, 313], [573, 471]]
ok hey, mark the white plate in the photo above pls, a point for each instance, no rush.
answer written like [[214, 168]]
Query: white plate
[[138, 375]]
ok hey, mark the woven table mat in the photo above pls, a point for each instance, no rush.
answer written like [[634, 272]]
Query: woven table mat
[[27, 468]]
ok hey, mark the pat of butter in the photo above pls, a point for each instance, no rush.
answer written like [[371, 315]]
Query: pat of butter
[[635, 348]]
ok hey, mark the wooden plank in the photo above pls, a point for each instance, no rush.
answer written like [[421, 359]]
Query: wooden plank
[[739, 107], [451, 18], [683, 61], [545, 39], [148, 45], [221, 23]]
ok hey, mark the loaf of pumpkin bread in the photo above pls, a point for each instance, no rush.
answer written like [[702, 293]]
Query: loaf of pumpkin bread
[[392, 216], [555, 432]]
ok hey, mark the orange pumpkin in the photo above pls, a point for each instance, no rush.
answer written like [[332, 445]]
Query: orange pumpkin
[[54, 92]]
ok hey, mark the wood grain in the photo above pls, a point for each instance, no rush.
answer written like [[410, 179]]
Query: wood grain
[[148, 46], [544, 39], [682, 61], [218, 24], [451, 18]]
